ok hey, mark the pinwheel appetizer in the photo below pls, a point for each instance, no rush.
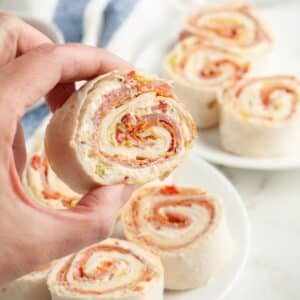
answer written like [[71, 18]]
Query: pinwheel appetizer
[[121, 127], [29, 287], [112, 269], [260, 117], [236, 27], [186, 227], [41, 183], [200, 71]]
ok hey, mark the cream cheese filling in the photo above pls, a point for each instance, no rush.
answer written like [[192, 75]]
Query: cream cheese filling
[[281, 102], [35, 185], [229, 19], [140, 106], [163, 234], [190, 61]]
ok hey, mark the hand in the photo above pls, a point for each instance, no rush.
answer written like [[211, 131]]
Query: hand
[[31, 67]]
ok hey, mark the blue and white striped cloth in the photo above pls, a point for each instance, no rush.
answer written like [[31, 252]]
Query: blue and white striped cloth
[[69, 19]]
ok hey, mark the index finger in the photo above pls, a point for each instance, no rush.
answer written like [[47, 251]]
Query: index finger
[[33, 75], [17, 37]]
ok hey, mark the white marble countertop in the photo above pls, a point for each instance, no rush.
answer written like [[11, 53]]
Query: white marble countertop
[[273, 203]]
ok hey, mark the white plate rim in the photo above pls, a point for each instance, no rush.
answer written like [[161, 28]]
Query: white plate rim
[[203, 147]]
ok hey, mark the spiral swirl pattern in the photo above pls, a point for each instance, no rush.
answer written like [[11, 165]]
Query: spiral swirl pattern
[[200, 71], [41, 183], [236, 26], [113, 269], [156, 211], [179, 222], [271, 98], [266, 110], [124, 127], [201, 64]]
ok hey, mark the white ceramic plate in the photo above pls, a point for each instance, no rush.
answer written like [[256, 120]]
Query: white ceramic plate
[[285, 59], [196, 172]]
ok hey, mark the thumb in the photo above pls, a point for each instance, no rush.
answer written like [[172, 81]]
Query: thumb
[[91, 221], [111, 197], [102, 205]]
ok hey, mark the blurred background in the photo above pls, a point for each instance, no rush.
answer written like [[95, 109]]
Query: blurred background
[[72, 16], [109, 23]]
